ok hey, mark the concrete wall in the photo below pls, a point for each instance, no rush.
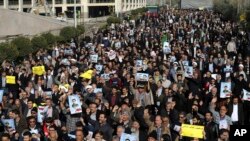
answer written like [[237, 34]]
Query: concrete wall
[[196, 3], [16, 23]]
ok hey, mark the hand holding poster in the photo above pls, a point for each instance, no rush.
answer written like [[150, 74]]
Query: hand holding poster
[[9, 125], [166, 48], [10, 79], [246, 95], [141, 77], [194, 131], [225, 89], [38, 70], [74, 104]]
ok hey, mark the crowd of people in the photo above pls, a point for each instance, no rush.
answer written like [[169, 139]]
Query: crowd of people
[[138, 80]]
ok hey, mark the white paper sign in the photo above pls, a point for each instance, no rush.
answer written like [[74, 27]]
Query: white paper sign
[[225, 89], [214, 76], [127, 137], [105, 76], [188, 71], [9, 124], [139, 63], [98, 90], [40, 114], [111, 54], [185, 63], [98, 68], [141, 77], [246, 95], [166, 48], [74, 104], [94, 58], [1, 95]]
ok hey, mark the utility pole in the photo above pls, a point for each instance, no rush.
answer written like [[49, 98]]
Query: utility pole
[[75, 18]]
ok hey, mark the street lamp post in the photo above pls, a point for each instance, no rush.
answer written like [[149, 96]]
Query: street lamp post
[[75, 19]]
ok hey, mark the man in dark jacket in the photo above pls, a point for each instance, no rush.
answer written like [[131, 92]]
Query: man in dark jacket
[[237, 116], [105, 127], [211, 128]]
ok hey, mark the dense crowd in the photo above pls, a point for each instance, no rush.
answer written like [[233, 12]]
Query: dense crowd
[[140, 79]]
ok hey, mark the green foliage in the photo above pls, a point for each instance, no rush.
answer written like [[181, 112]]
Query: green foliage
[[103, 26], [23, 45], [139, 11], [39, 42], [50, 38], [67, 33], [114, 20], [80, 29], [8, 51], [228, 10]]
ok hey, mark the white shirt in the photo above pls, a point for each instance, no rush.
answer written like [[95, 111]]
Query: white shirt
[[234, 115]]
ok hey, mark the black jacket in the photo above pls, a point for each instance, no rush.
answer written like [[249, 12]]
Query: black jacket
[[212, 131]]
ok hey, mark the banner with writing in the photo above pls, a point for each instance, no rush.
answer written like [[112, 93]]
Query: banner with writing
[[194, 131], [39, 70], [10, 79]]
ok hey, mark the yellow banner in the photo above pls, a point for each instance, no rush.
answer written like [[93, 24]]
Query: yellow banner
[[10, 79], [39, 70], [87, 74], [194, 131]]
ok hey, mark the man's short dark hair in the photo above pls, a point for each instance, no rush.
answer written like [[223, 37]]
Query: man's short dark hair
[[16, 111], [208, 112], [27, 133], [6, 135]]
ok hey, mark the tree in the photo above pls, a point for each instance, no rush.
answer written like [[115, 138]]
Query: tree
[[23, 45], [67, 33], [114, 20], [50, 38], [8, 51], [80, 29], [39, 42]]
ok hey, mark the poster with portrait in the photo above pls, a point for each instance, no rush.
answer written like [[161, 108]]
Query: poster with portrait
[[127, 137], [105, 76], [98, 68], [94, 58], [228, 70], [1, 95], [142, 77], [9, 125], [188, 71], [74, 104], [139, 63], [48, 94], [166, 48], [41, 113], [246, 95], [225, 89], [185, 63], [111, 54], [98, 90]]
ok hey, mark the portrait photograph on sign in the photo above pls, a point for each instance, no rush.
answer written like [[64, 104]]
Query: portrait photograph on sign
[[225, 89], [141, 76], [9, 125], [246, 95], [166, 48], [94, 58], [74, 104]]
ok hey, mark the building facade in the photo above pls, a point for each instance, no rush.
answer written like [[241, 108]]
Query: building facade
[[85, 8]]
